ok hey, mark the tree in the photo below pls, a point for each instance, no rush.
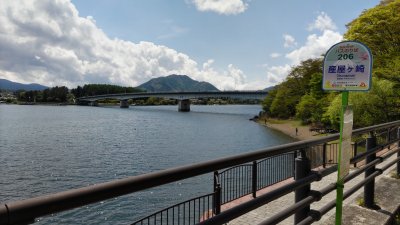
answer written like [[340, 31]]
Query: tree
[[379, 29], [281, 103], [77, 92], [332, 113], [369, 108], [281, 106], [315, 86], [391, 70], [267, 102], [305, 108], [301, 93], [70, 98], [102, 89], [309, 109]]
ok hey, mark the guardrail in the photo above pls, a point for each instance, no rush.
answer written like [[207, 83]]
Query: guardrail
[[380, 137]]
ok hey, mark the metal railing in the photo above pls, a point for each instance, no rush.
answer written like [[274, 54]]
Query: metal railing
[[274, 170], [235, 182], [242, 180], [380, 137], [188, 212], [304, 176]]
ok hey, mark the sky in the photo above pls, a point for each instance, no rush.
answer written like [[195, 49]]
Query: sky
[[233, 44]]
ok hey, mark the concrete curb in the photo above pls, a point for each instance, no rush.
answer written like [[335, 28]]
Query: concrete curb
[[385, 197]]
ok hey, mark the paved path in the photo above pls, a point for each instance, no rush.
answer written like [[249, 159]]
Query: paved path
[[260, 214]]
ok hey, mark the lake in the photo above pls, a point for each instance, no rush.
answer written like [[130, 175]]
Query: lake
[[48, 149]]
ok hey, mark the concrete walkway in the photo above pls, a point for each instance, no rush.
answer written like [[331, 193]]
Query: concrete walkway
[[262, 213], [385, 197]]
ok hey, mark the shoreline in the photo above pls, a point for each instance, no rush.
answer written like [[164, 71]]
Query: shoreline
[[288, 127]]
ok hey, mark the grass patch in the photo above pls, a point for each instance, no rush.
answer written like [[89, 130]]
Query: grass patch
[[295, 123], [360, 202], [397, 219], [394, 175], [361, 149]]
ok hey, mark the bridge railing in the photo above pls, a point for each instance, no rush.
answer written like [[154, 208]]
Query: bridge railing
[[383, 136], [179, 95]]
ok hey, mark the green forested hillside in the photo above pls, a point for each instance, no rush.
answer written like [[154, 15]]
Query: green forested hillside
[[102, 89], [301, 95], [63, 94]]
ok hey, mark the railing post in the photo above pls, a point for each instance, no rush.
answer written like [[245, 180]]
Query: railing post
[[217, 200], [398, 153], [294, 162], [355, 152], [369, 188], [324, 155], [398, 163], [254, 179], [217, 194], [398, 133], [302, 169], [216, 176]]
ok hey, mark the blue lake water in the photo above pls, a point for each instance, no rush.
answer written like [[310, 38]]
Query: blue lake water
[[47, 149]]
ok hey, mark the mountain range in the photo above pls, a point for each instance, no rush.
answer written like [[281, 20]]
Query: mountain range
[[270, 88], [171, 83], [14, 86]]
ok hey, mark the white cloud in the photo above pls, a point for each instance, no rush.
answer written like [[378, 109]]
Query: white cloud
[[225, 7], [255, 85], [277, 74], [275, 55], [171, 30], [174, 31], [47, 42], [322, 23], [231, 79], [315, 46], [289, 41]]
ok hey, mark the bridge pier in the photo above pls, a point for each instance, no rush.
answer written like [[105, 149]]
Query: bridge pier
[[124, 104], [94, 103], [184, 105]]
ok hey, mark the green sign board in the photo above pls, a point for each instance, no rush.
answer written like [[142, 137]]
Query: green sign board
[[347, 67]]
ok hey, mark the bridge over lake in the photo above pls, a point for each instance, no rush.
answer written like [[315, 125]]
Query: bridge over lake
[[182, 97]]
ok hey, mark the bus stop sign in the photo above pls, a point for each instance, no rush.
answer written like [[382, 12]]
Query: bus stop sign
[[347, 67]]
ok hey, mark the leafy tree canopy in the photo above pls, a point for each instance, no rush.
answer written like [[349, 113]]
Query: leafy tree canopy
[[102, 89], [282, 101], [379, 29]]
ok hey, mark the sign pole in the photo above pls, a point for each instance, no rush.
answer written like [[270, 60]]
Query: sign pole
[[340, 181], [347, 67]]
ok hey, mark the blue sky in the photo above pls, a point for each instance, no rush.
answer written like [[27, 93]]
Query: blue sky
[[232, 44]]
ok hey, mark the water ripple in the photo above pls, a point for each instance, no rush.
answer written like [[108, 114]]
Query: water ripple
[[47, 149]]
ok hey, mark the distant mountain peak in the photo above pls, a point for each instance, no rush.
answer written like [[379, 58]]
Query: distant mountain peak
[[175, 83], [14, 86]]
